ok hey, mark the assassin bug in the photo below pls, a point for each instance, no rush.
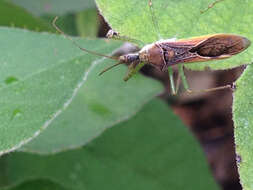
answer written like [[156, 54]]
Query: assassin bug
[[162, 54]]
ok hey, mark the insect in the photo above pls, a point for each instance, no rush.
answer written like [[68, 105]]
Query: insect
[[162, 54]]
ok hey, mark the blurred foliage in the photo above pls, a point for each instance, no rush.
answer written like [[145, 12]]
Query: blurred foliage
[[151, 151], [36, 184], [66, 23], [78, 17], [14, 16], [87, 23], [55, 7]]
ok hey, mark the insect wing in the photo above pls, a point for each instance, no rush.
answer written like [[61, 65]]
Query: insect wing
[[221, 46], [204, 48]]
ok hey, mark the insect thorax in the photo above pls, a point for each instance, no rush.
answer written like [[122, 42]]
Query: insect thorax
[[164, 54], [152, 54], [176, 54]]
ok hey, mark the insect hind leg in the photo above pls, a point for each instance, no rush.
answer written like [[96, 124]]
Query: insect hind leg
[[229, 86], [182, 76], [186, 85]]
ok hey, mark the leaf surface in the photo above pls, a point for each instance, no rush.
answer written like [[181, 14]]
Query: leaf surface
[[151, 151], [243, 121], [182, 19], [41, 74]]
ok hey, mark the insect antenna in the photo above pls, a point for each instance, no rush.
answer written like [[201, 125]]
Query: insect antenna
[[109, 68], [76, 44]]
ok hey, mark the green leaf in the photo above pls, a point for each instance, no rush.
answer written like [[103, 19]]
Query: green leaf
[[243, 121], [15, 16], [41, 73], [183, 19], [54, 7], [151, 151], [36, 184], [100, 104]]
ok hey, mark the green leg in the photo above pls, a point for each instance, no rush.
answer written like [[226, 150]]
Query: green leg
[[177, 83], [154, 20], [211, 6], [186, 86], [182, 75], [172, 84], [133, 69]]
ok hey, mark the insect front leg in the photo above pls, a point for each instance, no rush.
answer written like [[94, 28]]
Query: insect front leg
[[133, 68], [154, 19], [116, 36]]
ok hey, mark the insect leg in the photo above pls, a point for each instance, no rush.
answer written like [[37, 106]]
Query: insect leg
[[210, 6], [133, 69], [172, 84], [154, 20], [115, 35], [182, 76], [186, 86], [178, 82], [211, 89]]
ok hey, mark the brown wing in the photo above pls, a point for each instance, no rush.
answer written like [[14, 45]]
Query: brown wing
[[194, 40], [203, 48], [221, 45]]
